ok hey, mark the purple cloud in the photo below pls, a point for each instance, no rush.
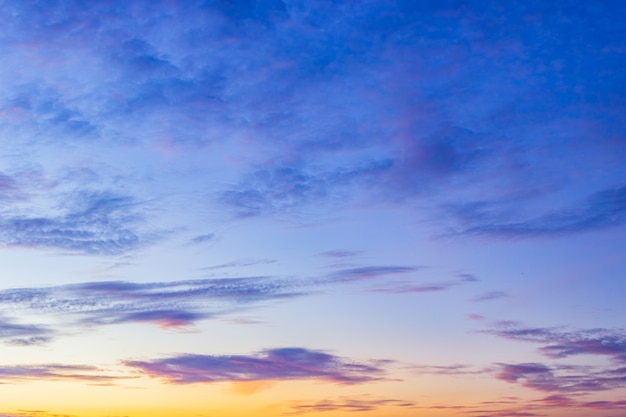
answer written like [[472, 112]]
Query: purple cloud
[[562, 344], [269, 365], [573, 379], [170, 305], [55, 372], [167, 304]]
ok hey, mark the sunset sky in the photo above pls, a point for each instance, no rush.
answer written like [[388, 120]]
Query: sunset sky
[[400, 208]]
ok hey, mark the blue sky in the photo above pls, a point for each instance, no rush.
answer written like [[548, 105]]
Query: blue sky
[[399, 207]]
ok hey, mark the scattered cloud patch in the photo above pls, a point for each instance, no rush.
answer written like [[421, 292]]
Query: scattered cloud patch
[[346, 404], [281, 364], [203, 238], [339, 253], [448, 370], [241, 263], [560, 343], [562, 378], [600, 210], [23, 334], [99, 223], [369, 272], [489, 296], [416, 288], [56, 372]]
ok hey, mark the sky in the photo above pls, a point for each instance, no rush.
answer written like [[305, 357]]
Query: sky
[[312, 208]]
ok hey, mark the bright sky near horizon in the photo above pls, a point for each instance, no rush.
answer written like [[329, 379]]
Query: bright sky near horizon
[[328, 208]]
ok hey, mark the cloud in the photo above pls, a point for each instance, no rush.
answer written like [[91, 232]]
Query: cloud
[[346, 404], [167, 304], [561, 344], [55, 372], [240, 263], [170, 305], [602, 209], [280, 189], [100, 223], [339, 253], [320, 105], [203, 238], [573, 379], [280, 364], [369, 272], [411, 287], [491, 295], [448, 370], [23, 334]]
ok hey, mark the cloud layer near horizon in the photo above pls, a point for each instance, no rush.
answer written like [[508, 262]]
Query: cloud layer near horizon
[[280, 364]]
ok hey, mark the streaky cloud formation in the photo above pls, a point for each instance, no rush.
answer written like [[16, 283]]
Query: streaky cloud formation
[[602, 209], [56, 372], [279, 364], [203, 238], [337, 253], [448, 370], [347, 404], [423, 288], [513, 406], [367, 272], [23, 334], [561, 343], [490, 295], [562, 378], [169, 305], [241, 263]]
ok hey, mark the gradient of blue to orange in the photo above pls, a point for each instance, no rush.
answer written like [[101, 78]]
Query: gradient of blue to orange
[[280, 208]]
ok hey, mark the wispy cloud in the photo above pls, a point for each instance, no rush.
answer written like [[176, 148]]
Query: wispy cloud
[[560, 343], [448, 369], [562, 378], [280, 364], [56, 372], [516, 407], [169, 305], [23, 334], [84, 222], [339, 253], [367, 272], [203, 238], [346, 404], [490, 295], [600, 210], [241, 263], [407, 287]]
